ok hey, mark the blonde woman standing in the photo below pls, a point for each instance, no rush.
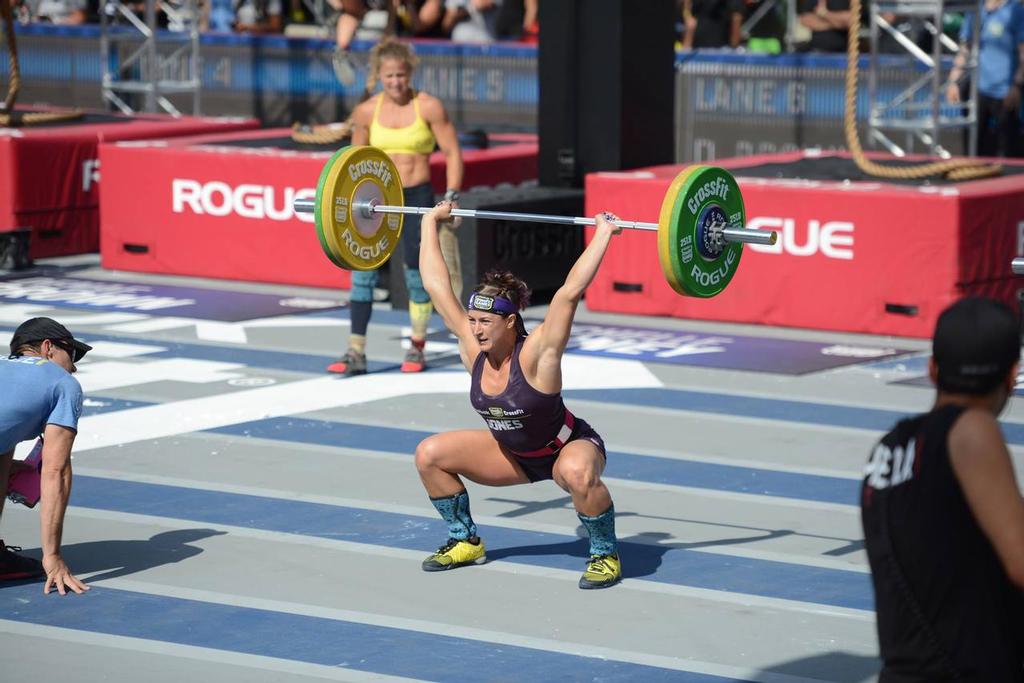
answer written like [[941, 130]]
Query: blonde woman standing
[[407, 125]]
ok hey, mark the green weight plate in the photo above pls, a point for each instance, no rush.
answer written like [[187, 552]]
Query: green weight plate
[[697, 198]]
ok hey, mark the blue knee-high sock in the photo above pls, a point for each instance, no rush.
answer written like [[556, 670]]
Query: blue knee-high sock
[[602, 531], [454, 511]]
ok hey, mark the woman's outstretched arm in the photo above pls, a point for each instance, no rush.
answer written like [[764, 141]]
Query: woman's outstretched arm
[[437, 282]]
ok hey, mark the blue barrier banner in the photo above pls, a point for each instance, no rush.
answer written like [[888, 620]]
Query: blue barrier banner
[[726, 103], [489, 86]]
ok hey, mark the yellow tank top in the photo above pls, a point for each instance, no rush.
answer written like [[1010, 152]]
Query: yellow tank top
[[416, 138]]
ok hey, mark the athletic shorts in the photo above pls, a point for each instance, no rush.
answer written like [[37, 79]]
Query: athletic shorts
[[541, 467]]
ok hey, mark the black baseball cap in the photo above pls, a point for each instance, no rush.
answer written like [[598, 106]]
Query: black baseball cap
[[37, 329], [976, 342]]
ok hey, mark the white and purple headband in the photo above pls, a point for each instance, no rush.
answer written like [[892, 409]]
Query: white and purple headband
[[491, 304]]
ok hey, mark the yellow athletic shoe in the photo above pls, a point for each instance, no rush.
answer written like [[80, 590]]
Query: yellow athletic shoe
[[602, 571], [456, 553]]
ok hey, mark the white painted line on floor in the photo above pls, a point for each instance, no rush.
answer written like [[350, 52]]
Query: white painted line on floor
[[415, 557], [106, 375], [15, 314], [736, 496], [113, 349], [702, 416], [453, 631], [769, 465], [156, 647], [428, 513], [321, 393]]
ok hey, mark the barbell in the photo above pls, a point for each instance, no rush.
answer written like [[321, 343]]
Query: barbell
[[1017, 266], [359, 206]]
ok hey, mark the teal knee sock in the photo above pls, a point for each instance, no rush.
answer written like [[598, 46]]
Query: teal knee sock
[[454, 511], [602, 531]]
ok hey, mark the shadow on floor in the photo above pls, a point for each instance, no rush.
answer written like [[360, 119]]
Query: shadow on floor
[[115, 559], [837, 666]]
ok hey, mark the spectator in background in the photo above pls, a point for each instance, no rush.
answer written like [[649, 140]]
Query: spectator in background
[[259, 16], [66, 12], [472, 21], [176, 15], [828, 21], [517, 20], [21, 12], [347, 17], [711, 23], [767, 31], [218, 16], [407, 125], [531, 22], [1000, 75], [419, 18]]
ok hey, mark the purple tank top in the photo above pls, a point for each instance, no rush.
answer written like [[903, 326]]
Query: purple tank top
[[521, 418]]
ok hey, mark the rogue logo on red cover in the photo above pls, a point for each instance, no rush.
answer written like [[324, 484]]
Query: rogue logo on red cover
[[217, 198], [831, 239]]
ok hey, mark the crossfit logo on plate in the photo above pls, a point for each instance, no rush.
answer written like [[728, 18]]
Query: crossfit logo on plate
[[831, 239], [373, 167], [713, 188], [217, 198]]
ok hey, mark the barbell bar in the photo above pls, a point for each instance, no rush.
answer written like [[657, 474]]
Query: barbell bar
[[359, 207], [369, 208], [1017, 265]]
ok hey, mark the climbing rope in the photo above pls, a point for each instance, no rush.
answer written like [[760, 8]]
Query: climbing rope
[[7, 116], [327, 134], [954, 169]]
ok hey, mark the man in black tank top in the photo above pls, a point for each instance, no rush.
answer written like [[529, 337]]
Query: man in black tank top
[[944, 518]]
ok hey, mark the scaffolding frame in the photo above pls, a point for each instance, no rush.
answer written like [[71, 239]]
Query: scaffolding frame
[[918, 111], [135, 65]]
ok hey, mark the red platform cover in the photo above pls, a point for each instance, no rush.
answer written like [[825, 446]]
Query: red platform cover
[[197, 207], [51, 174], [868, 257]]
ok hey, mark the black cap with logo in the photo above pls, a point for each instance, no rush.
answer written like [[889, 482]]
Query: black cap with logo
[[976, 343], [37, 329]]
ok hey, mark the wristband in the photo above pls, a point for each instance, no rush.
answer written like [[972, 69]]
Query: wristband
[[451, 196]]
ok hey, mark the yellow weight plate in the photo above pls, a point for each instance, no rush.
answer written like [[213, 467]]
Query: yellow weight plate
[[348, 238]]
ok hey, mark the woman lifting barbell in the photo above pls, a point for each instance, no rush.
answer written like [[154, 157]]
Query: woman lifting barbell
[[405, 124], [516, 387]]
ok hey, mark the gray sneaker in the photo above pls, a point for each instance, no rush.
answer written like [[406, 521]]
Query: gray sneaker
[[343, 67], [352, 363], [414, 360]]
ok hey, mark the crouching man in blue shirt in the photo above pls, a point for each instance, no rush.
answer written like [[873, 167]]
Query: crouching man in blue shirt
[[41, 398]]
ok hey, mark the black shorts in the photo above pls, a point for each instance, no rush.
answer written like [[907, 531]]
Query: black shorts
[[541, 467]]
